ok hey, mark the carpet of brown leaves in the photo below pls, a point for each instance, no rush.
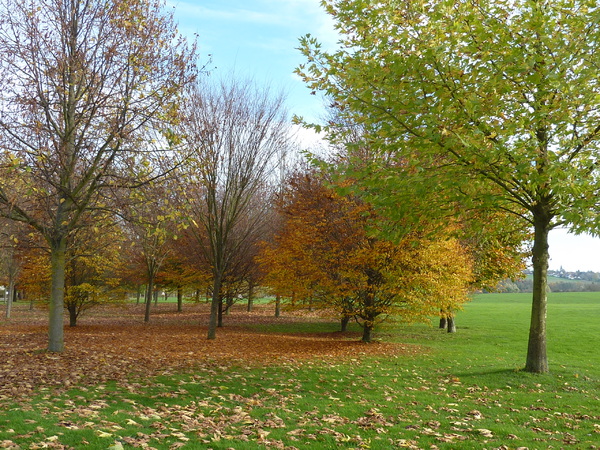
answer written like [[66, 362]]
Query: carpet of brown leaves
[[115, 343]]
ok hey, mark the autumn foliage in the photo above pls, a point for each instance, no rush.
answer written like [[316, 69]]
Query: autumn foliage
[[325, 256]]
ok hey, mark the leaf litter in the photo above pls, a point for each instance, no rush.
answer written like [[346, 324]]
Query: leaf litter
[[223, 401], [116, 344]]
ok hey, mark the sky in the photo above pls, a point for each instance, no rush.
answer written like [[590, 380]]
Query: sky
[[258, 39]]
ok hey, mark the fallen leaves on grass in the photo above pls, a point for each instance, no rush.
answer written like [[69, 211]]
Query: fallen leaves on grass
[[115, 344]]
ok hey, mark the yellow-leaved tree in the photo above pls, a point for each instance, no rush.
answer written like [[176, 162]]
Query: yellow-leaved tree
[[324, 256]]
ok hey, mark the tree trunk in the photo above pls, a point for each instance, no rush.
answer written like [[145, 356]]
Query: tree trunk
[[11, 296], [179, 299], [72, 315], [537, 360], [229, 304], [139, 294], [443, 319], [155, 293], [58, 250], [149, 290], [367, 335], [220, 317], [277, 306], [345, 321], [443, 322], [214, 308], [451, 324], [250, 297]]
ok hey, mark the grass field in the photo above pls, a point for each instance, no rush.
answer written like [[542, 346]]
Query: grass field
[[438, 390]]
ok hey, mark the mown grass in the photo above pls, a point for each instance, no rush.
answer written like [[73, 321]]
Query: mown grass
[[462, 390]]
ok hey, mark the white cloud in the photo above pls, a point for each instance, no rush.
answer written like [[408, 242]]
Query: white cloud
[[573, 252], [192, 11], [308, 138], [298, 16]]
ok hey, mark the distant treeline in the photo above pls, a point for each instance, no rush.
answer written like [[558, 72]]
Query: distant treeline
[[558, 281]]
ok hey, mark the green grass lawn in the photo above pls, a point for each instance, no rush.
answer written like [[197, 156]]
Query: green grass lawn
[[462, 390]]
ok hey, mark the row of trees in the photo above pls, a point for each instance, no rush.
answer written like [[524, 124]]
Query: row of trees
[[111, 142], [115, 151], [324, 256], [312, 247]]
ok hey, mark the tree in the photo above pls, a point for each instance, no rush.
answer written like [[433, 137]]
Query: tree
[[236, 134], [93, 268], [82, 82], [13, 238], [34, 279], [493, 239], [149, 225], [325, 256], [489, 104], [180, 270]]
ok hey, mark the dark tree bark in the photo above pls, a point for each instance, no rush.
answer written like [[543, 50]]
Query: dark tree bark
[[215, 308], [344, 324], [277, 306], [220, 316], [11, 295], [367, 333], [250, 296], [179, 299], [58, 248], [149, 291], [443, 322], [72, 315], [228, 304], [537, 360]]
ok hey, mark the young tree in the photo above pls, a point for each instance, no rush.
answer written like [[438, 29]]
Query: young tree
[[34, 279], [324, 256], [13, 245], [236, 134], [490, 104], [94, 264], [149, 225], [81, 82]]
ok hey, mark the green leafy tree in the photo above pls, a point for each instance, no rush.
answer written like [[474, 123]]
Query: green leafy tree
[[489, 104], [81, 82]]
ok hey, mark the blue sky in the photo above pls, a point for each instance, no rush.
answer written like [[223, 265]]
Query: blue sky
[[258, 39]]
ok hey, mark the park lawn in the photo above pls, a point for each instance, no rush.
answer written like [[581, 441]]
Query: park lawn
[[437, 390]]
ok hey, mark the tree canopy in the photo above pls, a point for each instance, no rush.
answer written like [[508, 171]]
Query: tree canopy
[[494, 104], [324, 256], [83, 82]]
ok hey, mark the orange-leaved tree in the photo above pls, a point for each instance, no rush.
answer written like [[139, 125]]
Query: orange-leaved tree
[[325, 256]]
